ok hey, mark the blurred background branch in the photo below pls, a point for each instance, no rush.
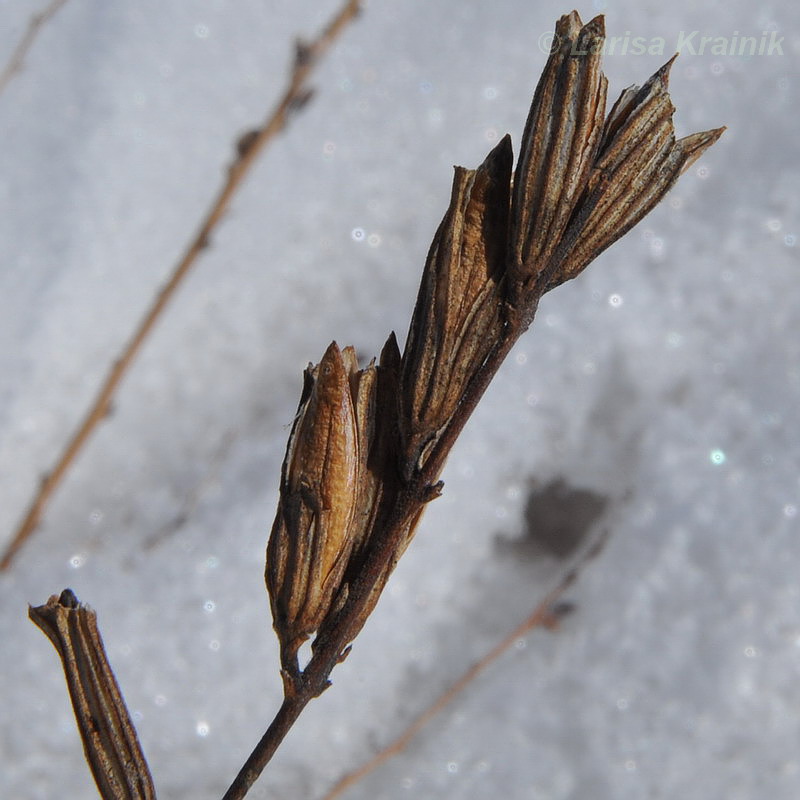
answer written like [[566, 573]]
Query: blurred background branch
[[249, 147], [16, 60]]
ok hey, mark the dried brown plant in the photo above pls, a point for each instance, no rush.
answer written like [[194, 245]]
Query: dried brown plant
[[368, 445]]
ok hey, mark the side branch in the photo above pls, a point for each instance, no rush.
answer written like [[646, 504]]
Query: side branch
[[17, 58], [249, 147]]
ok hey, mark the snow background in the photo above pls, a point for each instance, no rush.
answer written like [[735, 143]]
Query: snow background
[[665, 380]]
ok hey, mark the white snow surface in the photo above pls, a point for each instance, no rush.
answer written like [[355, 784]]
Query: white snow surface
[[665, 379]]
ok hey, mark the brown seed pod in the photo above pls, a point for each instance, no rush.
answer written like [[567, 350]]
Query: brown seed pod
[[311, 541], [457, 317]]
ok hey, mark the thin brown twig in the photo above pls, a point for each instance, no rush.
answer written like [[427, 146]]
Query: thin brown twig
[[296, 93], [17, 58], [542, 616]]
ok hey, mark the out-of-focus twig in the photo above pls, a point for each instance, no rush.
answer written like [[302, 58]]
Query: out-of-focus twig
[[545, 615], [17, 58], [249, 147]]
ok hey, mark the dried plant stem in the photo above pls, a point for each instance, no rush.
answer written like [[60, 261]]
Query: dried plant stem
[[17, 58], [294, 96], [328, 653], [264, 750]]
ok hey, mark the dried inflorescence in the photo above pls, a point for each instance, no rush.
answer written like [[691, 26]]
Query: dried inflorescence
[[368, 445]]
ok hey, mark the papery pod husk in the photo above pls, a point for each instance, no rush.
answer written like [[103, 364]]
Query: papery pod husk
[[110, 741], [638, 162], [363, 387], [457, 316], [562, 135], [379, 477], [582, 182], [380, 487], [311, 538]]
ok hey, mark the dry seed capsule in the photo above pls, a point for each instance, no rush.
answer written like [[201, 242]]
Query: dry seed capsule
[[456, 319], [310, 541]]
